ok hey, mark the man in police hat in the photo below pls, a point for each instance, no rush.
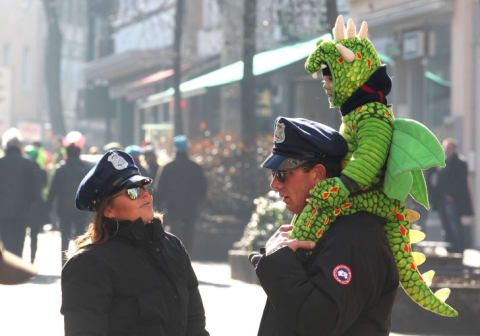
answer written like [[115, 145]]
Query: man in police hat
[[346, 283]]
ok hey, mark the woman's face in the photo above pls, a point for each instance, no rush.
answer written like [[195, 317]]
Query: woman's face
[[125, 208]]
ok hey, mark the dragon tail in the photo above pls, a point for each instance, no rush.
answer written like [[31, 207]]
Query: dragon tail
[[416, 285]]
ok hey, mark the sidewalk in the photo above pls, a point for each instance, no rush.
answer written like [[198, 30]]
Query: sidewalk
[[232, 307]]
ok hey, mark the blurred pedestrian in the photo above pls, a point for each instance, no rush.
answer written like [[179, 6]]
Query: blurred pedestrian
[[65, 182], [135, 152], [19, 178], [112, 145], [180, 191], [39, 210], [128, 276], [453, 196], [346, 284], [152, 161]]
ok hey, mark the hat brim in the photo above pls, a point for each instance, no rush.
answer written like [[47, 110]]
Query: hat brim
[[135, 180], [273, 161], [13, 270]]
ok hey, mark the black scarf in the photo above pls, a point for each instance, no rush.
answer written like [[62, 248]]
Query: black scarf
[[375, 89]]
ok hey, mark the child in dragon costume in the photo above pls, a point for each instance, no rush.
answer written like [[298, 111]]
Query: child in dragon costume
[[384, 163]]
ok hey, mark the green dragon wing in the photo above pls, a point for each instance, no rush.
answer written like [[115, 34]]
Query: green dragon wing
[[414, 148]]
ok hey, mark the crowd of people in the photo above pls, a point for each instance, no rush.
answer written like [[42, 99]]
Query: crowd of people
[[42, 184]]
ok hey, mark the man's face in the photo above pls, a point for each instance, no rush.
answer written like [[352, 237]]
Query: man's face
[[296, 188], [450, 148], [327, 86]]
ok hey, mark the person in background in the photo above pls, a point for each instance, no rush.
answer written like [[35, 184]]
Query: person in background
[[347, 282], [453, 196], [65, 182], [112, 145], [39, 210], [135, 152], [19, 178], [151, 160], [128, 276], [182, 187]]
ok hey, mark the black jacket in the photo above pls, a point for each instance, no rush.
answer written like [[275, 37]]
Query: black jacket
[[181, 188], [64, 186], [346, 287], [138, 283], [19, 177], [452, 181]]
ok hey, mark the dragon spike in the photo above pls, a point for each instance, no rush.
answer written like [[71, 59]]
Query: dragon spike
[[443, 294], [315, 75], [347, 54], [351, 29], [418, 258], [363, 30], [412, 216], [428, 277], [339, 29], [416, 236]]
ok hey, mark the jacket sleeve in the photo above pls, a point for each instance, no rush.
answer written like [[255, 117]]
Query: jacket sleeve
[[196, 312], [306, 303], [86, 296]]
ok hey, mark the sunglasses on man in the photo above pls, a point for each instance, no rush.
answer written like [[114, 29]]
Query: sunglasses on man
[[281, 174]]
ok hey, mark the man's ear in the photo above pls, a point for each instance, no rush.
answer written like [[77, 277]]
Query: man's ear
[[320, 172]]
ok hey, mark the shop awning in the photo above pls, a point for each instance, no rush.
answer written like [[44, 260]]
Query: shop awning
[[263, 63]]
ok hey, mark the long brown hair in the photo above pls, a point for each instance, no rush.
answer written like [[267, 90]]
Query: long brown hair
[[96, 232]]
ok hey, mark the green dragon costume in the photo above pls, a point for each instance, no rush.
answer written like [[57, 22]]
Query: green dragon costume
[[384, 163]]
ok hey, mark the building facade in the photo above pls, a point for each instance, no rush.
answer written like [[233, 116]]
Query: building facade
[[21, 65], [431, 46]]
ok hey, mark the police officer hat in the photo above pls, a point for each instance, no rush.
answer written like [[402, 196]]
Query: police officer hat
[[115, 171], [297, 140]]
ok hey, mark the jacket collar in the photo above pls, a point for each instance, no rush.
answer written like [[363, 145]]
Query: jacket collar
[[135, 231]]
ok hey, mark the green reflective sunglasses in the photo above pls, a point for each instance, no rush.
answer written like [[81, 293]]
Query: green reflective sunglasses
[[135, 192]]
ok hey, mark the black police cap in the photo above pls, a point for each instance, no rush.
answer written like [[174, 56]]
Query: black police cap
[[115, 171], [297, 140]]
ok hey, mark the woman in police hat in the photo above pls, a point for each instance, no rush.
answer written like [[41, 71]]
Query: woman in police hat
[[128, 276]]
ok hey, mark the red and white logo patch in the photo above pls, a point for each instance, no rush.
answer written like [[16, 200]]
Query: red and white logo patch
[[342, 274]]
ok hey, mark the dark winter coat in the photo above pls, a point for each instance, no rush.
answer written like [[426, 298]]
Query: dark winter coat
[[39, 210], [19, 176], [181, 188], [452, 181], [139, 283], [347, 287], [64, 186]]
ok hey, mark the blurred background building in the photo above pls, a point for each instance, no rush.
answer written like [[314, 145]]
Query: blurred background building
[[21, 67], [117, 66]]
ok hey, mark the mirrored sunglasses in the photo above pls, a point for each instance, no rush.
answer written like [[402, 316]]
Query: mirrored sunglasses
[[135, 192]]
